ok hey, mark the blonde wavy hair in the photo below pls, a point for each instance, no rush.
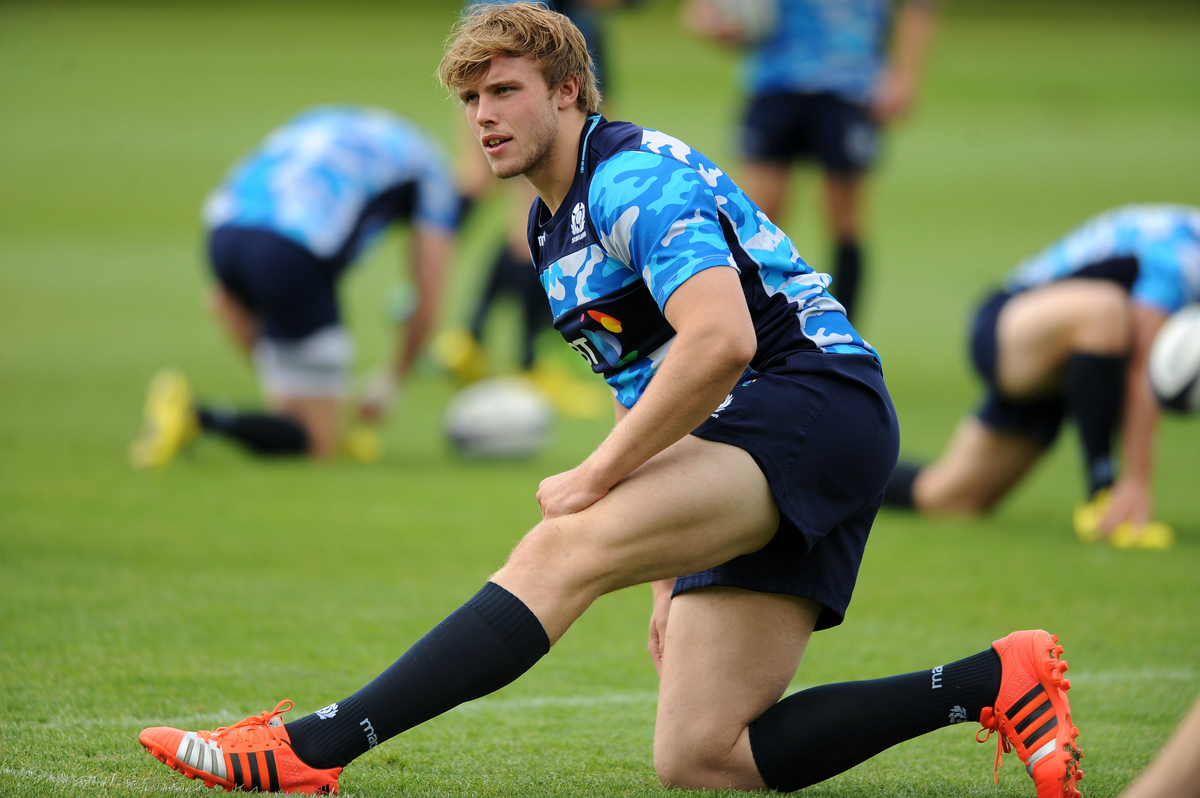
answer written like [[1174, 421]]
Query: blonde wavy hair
[[518, 30]]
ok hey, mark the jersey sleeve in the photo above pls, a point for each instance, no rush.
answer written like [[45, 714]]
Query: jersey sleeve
[[659, 217], [1161, 281]]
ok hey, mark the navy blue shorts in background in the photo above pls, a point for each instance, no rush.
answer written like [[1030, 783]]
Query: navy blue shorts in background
[[291, 290], [823, 430], [781, 128], [1039, 420]]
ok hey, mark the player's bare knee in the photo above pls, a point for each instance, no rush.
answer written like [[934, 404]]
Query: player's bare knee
[[696, 756], [937, 492], [560, 546]]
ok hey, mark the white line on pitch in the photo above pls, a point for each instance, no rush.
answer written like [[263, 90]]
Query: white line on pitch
[[226, 717], [94, 782]]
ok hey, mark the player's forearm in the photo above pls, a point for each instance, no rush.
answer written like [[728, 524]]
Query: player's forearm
[[1138, 423], [411, 337], [695, 377], [431, 253], [1139, 418], [910, 42]]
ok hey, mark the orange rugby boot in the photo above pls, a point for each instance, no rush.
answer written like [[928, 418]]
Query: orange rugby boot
[[252, 754], [1033, 715]]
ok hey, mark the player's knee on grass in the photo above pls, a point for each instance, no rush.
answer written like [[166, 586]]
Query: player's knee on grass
[[693, 755], [937, 490]]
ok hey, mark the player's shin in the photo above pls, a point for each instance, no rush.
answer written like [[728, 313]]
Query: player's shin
[[261, 433], [815, 734], [1094, 389], [847, 275], [483, 646], [899, 490]]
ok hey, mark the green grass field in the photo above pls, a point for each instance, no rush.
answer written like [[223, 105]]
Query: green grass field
[[209, 591]]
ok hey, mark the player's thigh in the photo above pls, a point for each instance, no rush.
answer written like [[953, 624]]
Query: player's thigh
[[693, 506], [979, 466], [233, 314], [728, 656], [1038, 329]]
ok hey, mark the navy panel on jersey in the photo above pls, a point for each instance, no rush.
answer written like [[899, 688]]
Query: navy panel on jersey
[[781, 128], [823, 430]]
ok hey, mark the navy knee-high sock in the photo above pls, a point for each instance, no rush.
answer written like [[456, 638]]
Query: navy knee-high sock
[[847, 275], [261, 433], [899, 490], [482, 646], [1094, 389], [816, 734]]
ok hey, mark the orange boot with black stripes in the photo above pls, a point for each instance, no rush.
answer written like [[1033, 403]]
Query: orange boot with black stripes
[[1033, 715], [252, 754]]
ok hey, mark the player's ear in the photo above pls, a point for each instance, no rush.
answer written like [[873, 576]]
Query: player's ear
[[568, 92]]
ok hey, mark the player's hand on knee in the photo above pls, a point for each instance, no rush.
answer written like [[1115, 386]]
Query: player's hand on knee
[[658, 621], [568, 492]]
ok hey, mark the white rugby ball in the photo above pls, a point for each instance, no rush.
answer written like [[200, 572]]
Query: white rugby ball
[[501, 417], [1175, 361]]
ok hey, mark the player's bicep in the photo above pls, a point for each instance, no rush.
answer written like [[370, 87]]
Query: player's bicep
[[660, 218], [711, 304]]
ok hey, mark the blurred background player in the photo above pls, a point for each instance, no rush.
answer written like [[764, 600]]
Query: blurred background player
[[284, 225], [511, 272], [820, 84], [1070, 334]]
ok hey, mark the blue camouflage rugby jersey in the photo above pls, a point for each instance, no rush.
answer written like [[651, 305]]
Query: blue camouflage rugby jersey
[[1151, 250], [333, 178], [645, 213], [833, 46]]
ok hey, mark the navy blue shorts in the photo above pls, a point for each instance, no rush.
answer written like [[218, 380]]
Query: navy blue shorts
[[1038, 420], [291, 290], [781, 128], [823, 430]]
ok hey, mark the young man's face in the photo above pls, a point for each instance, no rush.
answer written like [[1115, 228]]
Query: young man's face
[[513, 114]]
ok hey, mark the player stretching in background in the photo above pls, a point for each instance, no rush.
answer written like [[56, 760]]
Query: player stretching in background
[[753, 440], [1069, 335], [820, 86], [284, 226]]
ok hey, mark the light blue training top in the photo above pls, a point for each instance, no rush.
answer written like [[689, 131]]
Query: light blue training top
[[331, 179]]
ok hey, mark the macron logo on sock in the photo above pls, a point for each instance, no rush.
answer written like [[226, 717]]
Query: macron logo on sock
[[372, 738], [937, 678], [328, 712]]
